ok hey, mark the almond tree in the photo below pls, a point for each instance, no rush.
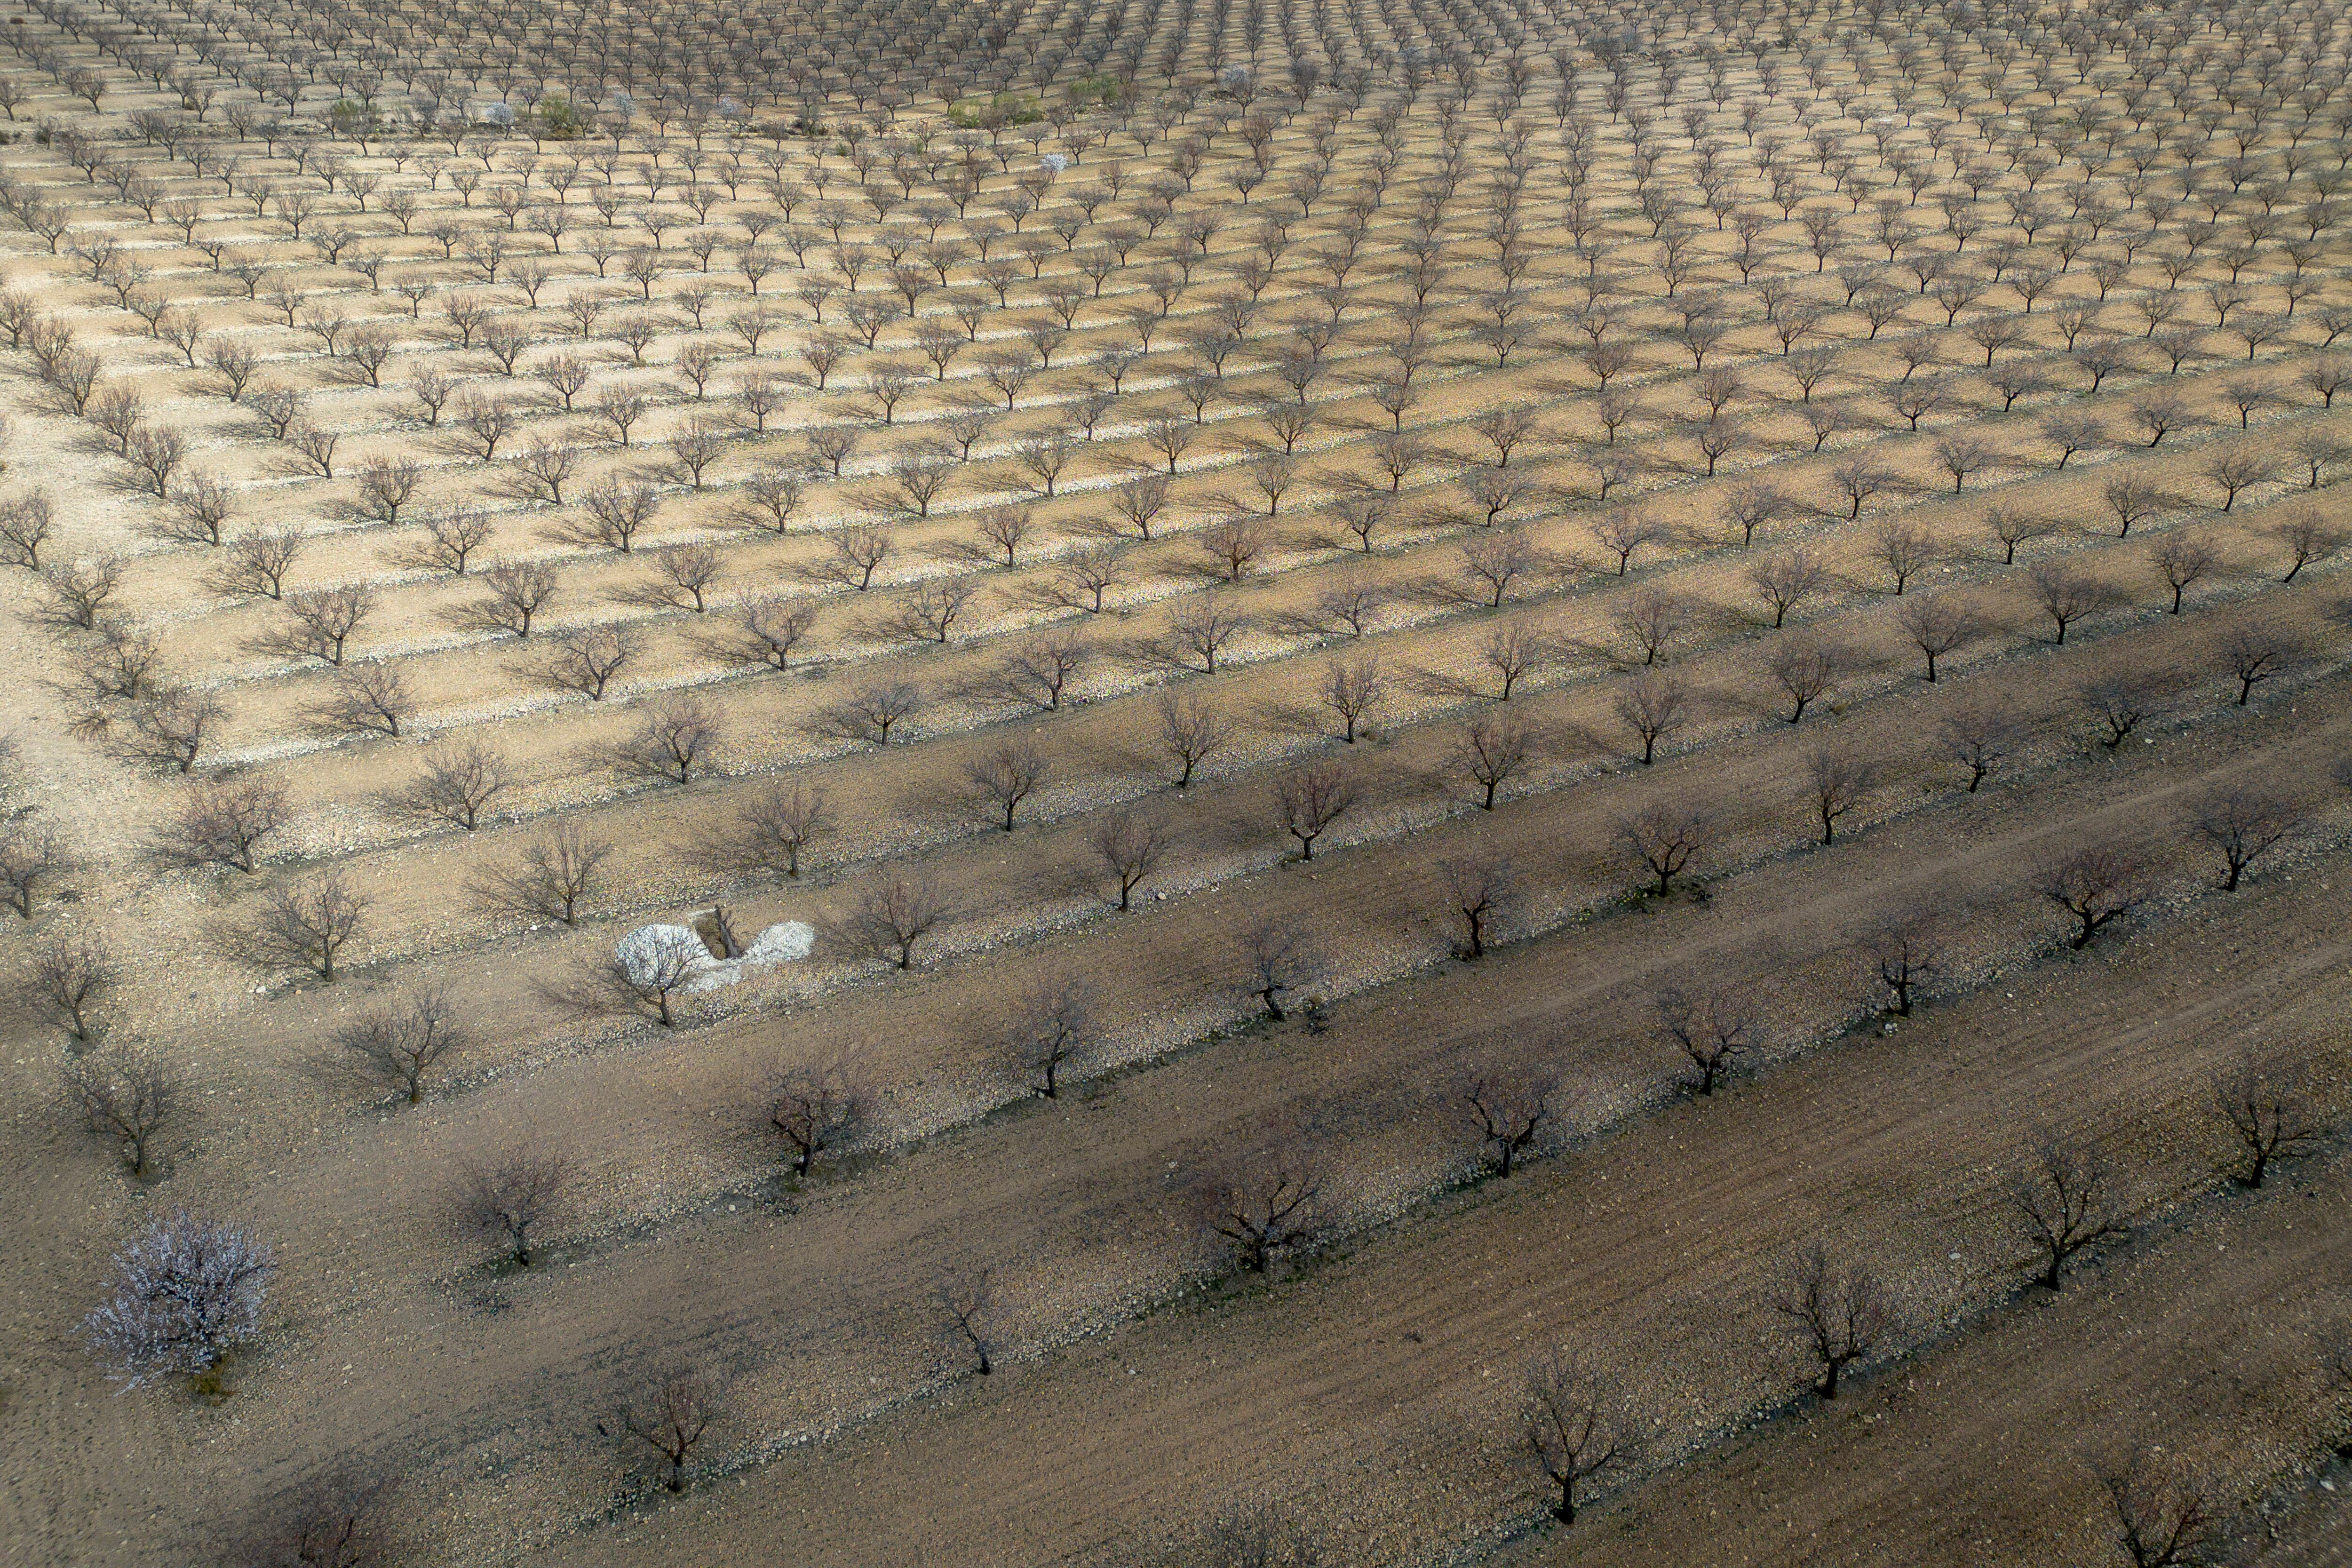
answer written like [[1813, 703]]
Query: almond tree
[[2242, 823], [1839, 1315], [1714, 1030], [1266, 1202], [2065, 1196], [2097, 884], [817, 1109], [1573, 1426], [400, 1046], [671, 1418], [517, 1194], [124, 1096], [2267, 1113], [1130, 848], [1509, 1112], [183, 1293]]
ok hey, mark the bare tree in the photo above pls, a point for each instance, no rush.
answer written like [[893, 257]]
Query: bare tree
[[1191, 733], [968, 1306], [518, 591], [30, 859], [301, 925], [585, 659], [2096, 883], [869, 715], [1573, 1426], [769, 626], [514, 1195], [1714, 1030], [671, 1417], [2066, 596], [1907, 953], [226, 824], [1804, 667], [770, 833], [1309, 798], [1130, 848], [1839, 1315], [1266, 1202], [1939, 625], [70, 977], [674, 737], [1835, 784], [1035, 675], [1276, 962], [817, 1109], [2242, 823], [1508, 1112], [1052, 1026], [183, 1293], [1787, 580], [345, 1516], [1655, 707], [2123, 702], [889, 917], [2065, 1198], [1000, 779], [2184, 561], [458, 784], [1351, 689], [2267, 1113], [1483, 891], [2254, 654], [1256, 1535], [400, 1046], [363, 700], [558, 871], [1980, 741], [2308, 538], [2165, 1514], [124, 1096], [1665, 837]]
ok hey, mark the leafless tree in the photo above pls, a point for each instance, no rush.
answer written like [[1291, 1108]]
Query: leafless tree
[[769, 835], [856, 554], [1907, 953], [2256, 653], [30, 859], [1255, 1535], [1508, 1112], [1035, 675], [2013, 526], [1665, 837], [226, 824], [1573, 1425], [2184, 561], [2097, 884], [1053, 1027], [1191, 732], [817, 1109], [70, 977], [889, 917], [1841, 1315], [124, 1096], [347, 1515], [1483, 891], [671, 1417], [516, 1195], [1001, 778], [458, 784], [363, 699], [401, 1045], [1309, 798], [1266, 1202], [1804, 667], [1713, 1030], [450, 541], [869, 715], [1835, 784], [585, 659], [675, 737], [2066, 1199], [2268, 1115], [256, 566], [1276, 962], [2165, 1513], [1980, 740], [1787, 580], [559, 872], [968, 1307], [2066, 596], [768, 627], [1939, 625], [78, 590], [1130, 848], [301, 925], [2308, 537], [518, 591], [2242, 823]]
